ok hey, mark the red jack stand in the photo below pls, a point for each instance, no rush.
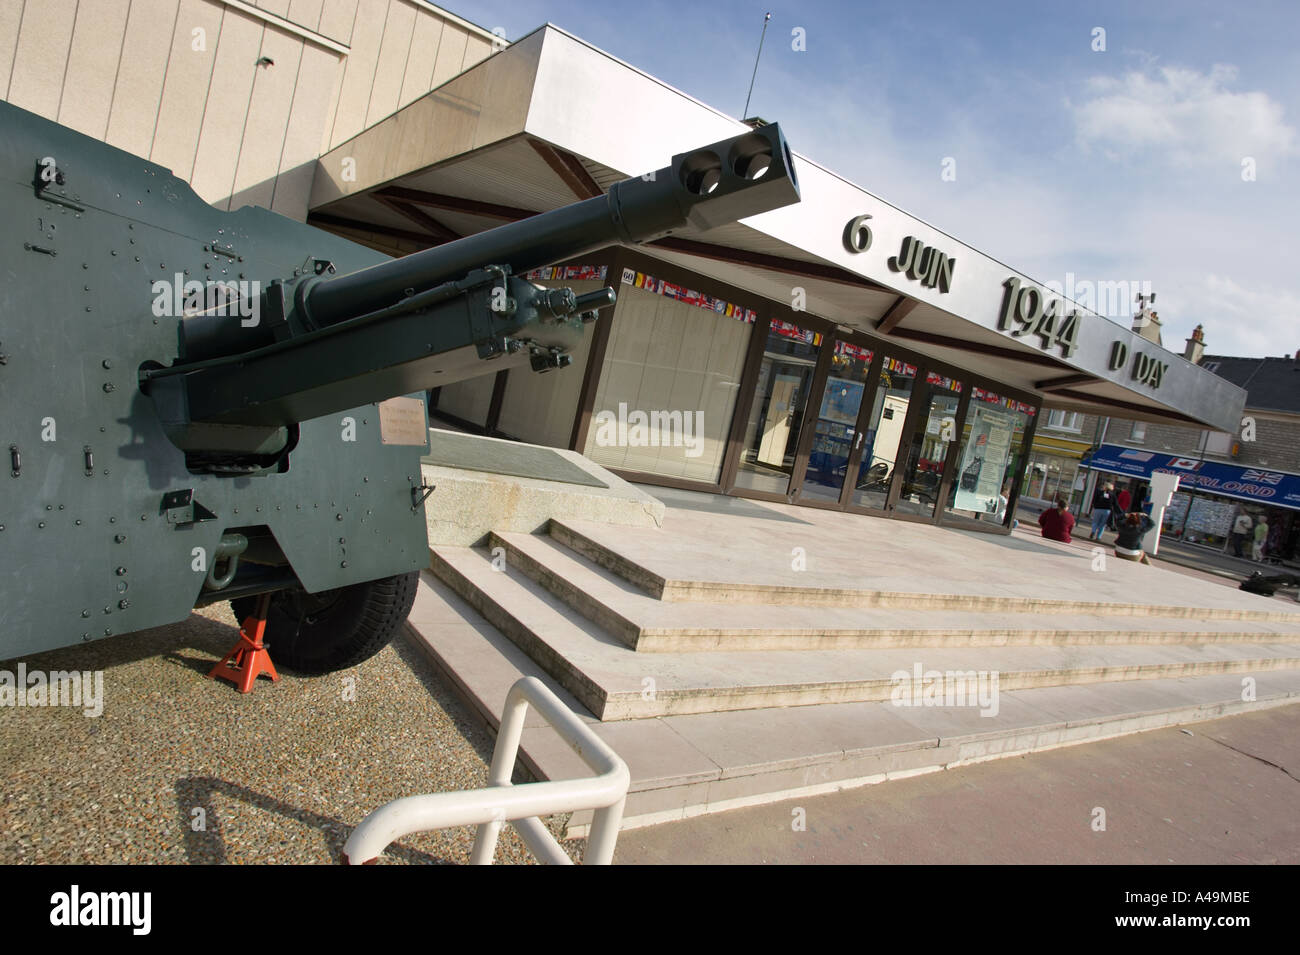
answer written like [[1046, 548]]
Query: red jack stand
[[249, 659]]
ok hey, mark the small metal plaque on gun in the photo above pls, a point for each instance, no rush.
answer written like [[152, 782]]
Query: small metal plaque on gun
[[401, 421]]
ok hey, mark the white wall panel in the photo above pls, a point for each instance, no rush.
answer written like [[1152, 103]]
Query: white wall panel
[[92, 66], [140, 75]]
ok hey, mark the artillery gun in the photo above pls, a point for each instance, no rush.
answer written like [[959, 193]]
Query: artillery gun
[[202, 405]]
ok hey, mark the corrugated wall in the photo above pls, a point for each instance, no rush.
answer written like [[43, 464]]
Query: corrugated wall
[[180, 82]]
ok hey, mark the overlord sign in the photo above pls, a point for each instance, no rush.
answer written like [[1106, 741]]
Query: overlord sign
[[1230, 480]]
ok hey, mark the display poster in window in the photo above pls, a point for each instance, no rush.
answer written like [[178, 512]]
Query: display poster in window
[[984, 461], [1208, 520], [841, 400]]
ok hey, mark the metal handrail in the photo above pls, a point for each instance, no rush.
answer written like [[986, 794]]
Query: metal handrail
[[502, 802]]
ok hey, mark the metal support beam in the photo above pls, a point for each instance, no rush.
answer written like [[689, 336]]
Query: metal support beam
[[1066, 381], [437, 231], [979, 348], [897, 312], [331, 223], [1143, 412], [569, 168], [763, 260], [474, 207]]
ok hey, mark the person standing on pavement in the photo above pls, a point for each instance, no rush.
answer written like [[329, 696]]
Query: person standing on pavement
[[1057, 522], [1128, 543], [1123, 499], [1118, 508], [1261, 538], [1241, 529], [1103, 502]]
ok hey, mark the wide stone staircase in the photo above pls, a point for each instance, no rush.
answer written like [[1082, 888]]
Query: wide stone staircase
[[721, 693]]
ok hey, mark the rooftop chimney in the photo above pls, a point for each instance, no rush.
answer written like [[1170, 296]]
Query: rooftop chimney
[[1146, 322], [1196, 346]]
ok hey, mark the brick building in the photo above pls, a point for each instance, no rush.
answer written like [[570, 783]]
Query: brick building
[[1255, 470]]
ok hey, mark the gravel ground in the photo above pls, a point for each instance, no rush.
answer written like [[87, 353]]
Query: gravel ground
[[182, 769]]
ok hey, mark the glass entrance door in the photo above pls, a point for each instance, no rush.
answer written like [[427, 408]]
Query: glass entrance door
[[881, 427], [772, 433], [835, 435], [930, 442]]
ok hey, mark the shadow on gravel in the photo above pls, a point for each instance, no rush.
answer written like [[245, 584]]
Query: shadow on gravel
[[470, 724], [208, 846], [196, 632]]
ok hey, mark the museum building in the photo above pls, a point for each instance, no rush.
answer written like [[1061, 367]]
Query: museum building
[[836, 353]]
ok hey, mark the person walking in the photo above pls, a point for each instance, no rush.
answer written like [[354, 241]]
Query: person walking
[[1057, 522], [1241, 529], [1261, 538], [1103, 502], [1119, 508], [1128, 542]]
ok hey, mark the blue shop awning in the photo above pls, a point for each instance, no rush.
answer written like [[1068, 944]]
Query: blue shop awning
[[1275, 488]]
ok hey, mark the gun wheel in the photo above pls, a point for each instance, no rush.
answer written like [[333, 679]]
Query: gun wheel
[[335, 629]]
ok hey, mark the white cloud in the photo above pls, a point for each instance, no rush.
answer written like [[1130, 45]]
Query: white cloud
[[1184, 116], [1239, 320]]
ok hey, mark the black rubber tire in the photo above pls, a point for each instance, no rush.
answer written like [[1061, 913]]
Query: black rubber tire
[[334, 630]]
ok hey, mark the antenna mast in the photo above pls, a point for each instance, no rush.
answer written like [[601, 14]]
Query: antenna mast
[[745, 114]]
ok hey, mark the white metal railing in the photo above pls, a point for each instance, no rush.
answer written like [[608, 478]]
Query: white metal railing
[[503, 802]]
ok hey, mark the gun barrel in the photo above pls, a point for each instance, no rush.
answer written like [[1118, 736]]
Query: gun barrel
[[729, 180]]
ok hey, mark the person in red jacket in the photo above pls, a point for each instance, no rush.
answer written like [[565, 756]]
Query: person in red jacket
[[1057, 522], [1123, 499]]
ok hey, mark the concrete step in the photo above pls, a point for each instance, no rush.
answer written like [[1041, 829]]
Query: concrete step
[[646, 559], [616, 683], [647, 624], [687, 765]]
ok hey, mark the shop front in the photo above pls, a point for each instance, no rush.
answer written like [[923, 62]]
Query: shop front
[[1210, 499]]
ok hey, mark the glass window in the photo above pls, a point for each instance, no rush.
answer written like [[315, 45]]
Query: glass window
[[1217, 442], [836, 425], [884, 432], [928, 447], [775, 412], [991, 447], [540, 408], [1139, 431], [669, 382], [1063, 420], [468, 399]]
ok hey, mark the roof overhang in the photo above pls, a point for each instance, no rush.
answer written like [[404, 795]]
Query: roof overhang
[[550, 120]]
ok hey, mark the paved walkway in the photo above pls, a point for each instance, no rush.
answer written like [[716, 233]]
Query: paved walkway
[[1185, 559], [1209, 560], [1221, 792], [709, 537]]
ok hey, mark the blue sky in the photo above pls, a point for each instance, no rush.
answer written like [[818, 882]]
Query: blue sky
[[1122, 164]]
